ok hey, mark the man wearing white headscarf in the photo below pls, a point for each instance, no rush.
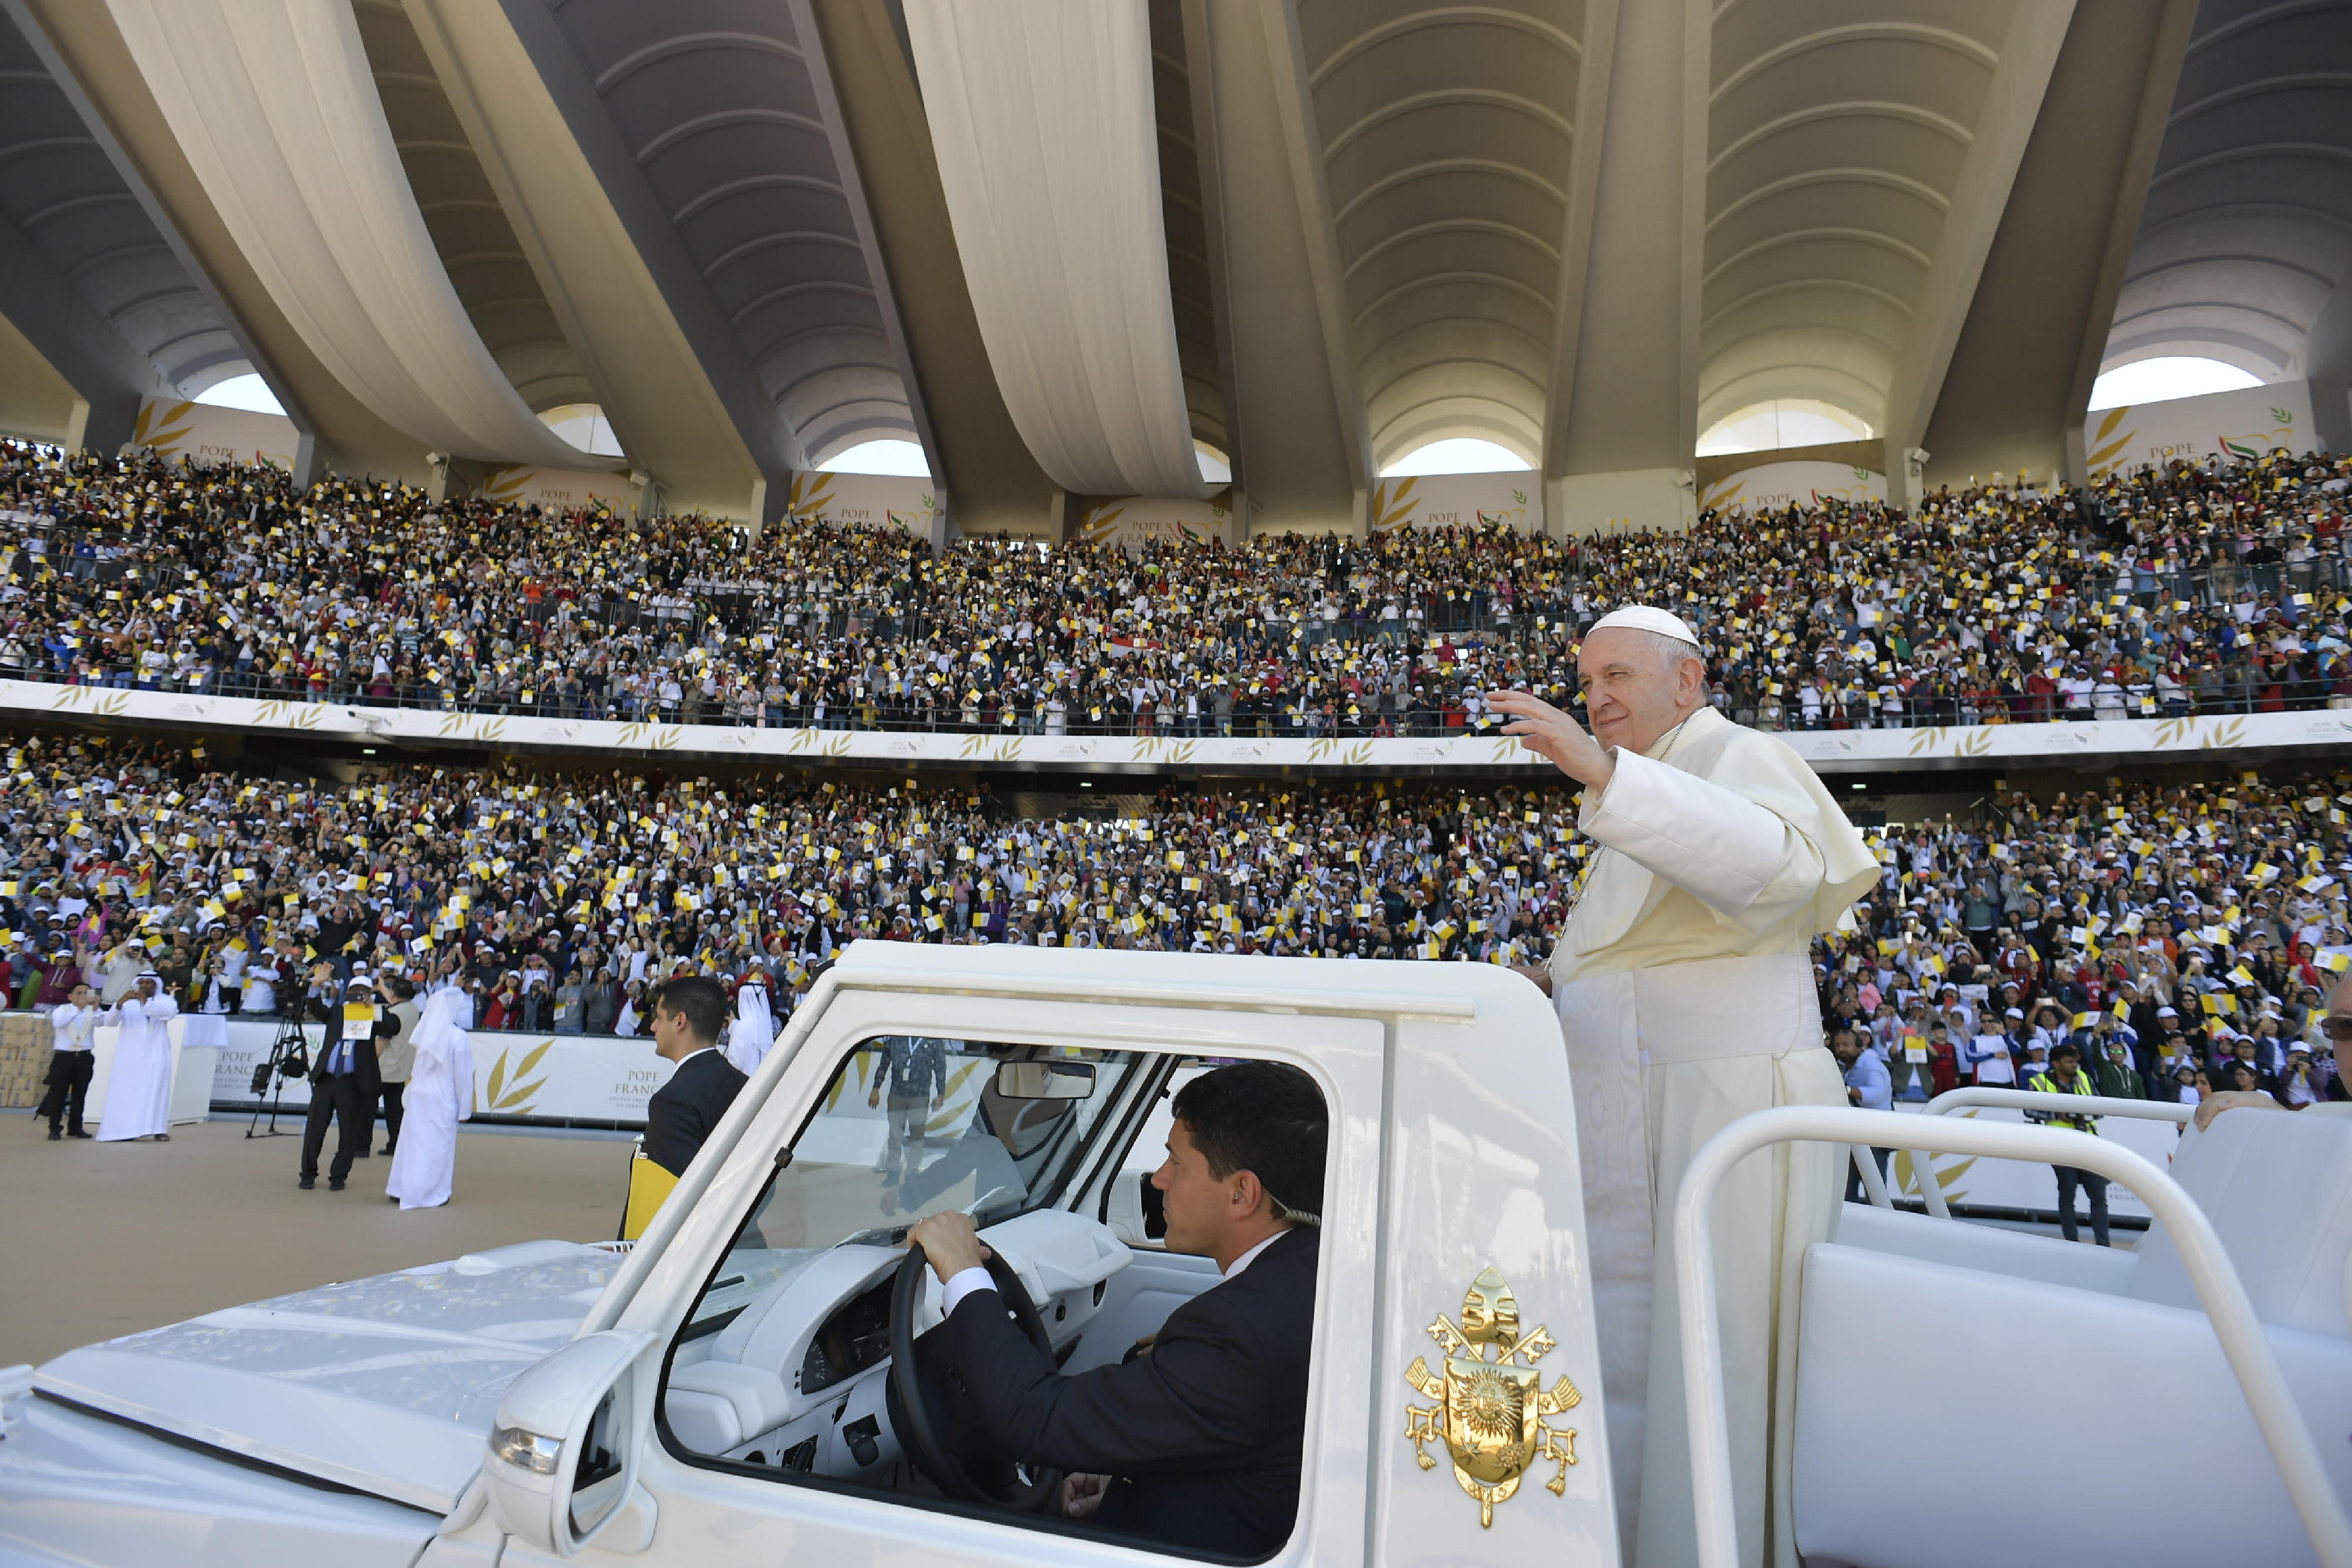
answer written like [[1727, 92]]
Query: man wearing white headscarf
[[755, 1024], [139, 1089], [440, 1095], [1685, 986]]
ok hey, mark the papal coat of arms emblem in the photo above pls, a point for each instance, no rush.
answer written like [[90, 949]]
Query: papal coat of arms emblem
[[1491, 1403]]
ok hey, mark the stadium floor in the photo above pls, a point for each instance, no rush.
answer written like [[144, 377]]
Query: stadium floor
[[102, 1239]]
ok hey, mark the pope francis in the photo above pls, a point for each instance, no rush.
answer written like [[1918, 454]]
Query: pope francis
[[1685, 986]]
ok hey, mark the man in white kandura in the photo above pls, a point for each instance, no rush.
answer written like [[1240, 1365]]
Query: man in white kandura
[[138, 1090], [440, 1095], [1685, 986], [754, 1033]]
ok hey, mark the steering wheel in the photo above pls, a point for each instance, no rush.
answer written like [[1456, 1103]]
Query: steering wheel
[[934, 1416]]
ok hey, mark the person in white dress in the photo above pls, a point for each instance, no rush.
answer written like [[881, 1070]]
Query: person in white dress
[[755, 1024], [139, 1091], [1686, 990], [440, 1095]]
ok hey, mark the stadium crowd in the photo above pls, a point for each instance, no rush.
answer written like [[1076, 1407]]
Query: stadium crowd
[[2211, 589], [2184, 935]]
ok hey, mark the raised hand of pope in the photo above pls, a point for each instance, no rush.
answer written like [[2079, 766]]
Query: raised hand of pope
[[1551, 733]]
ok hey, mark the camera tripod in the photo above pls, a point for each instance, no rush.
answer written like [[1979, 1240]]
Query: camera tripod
[[290, 1056]]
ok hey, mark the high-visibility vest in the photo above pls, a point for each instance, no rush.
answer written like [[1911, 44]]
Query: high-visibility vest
[[2044, 1084]]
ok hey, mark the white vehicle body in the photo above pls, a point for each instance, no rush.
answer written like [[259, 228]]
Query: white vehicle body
[[737, 1416]]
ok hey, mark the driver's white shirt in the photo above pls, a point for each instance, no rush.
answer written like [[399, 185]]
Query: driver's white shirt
[[966, 1281]]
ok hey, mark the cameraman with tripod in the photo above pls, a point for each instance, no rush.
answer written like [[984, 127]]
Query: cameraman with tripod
[[344, 1082]]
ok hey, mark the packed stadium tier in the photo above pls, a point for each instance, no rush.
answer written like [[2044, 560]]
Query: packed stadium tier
[[2161, 595], [2173, 929]]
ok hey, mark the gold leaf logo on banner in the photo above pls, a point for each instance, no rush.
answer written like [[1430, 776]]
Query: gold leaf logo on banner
[[1101, 524], [505, 487], [1945, 1176], [2107, 456], [810, 493], [1394, 504], [157, 426], [516, 1100], [1722, 494]]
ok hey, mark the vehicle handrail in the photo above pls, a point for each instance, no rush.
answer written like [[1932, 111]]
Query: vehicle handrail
[[1873, 1186], [2219, 1288], [1962, 1099]]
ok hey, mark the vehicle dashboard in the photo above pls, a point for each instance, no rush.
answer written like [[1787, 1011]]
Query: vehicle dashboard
[[785, 1364]]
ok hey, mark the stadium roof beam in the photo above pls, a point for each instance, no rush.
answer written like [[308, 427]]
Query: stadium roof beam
[[992, 480], [736, 169], [2241, 253], [1299, 443], [2019, 378], [1622, 426], [653, 357]]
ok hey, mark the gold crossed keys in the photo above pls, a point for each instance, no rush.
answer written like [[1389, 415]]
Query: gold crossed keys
[[1490, 1412]]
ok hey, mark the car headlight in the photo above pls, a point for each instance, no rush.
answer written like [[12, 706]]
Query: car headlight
[[527, 1450]]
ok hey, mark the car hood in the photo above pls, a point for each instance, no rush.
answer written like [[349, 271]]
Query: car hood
[[385, 1386]]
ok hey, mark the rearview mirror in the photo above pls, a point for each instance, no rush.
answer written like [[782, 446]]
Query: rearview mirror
[[1046, 1081]]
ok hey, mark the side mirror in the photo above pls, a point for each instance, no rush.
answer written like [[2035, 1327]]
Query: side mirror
[[1046, 1081], [565, 1448]]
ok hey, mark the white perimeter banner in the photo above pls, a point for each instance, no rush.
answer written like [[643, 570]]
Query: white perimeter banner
[[1132, 522], [1459, 500], [204, 434], [868, 501], [1772, 487], [2231, 426], [559, 489], [535, 1077], [2105, 741], [2012, 1184]]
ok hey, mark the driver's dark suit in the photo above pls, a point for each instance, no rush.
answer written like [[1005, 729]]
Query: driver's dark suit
[[1201, 1435]]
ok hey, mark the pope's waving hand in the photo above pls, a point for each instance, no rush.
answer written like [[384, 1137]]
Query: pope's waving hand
[[1686, 998]]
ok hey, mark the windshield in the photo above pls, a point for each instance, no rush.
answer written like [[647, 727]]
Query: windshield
[[914, 1125]]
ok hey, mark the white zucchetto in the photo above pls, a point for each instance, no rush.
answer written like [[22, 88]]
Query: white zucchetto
[[1647, 618]]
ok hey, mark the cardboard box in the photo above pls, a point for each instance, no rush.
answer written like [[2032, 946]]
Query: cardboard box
[[21, 1070]]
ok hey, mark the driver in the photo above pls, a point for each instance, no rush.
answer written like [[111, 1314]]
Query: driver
[[1199, 1428]]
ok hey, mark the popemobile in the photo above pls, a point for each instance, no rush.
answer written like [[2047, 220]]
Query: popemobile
[[744, 1384]]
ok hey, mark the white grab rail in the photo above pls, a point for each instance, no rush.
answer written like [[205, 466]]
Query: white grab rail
[[1953, 1100], [2218, 1288]]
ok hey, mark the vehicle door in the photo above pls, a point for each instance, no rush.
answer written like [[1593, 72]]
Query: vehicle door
[[625, 1487]]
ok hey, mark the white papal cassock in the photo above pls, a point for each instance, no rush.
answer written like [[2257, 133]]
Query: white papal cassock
[[1685, 986], [139, 1089], [440, 1095]]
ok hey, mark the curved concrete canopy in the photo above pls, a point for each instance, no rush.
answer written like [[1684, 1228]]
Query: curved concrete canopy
[[1448, 141], [1836, 141], [1581, 229], [62, 194], [2247, 231], [718, 103]]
